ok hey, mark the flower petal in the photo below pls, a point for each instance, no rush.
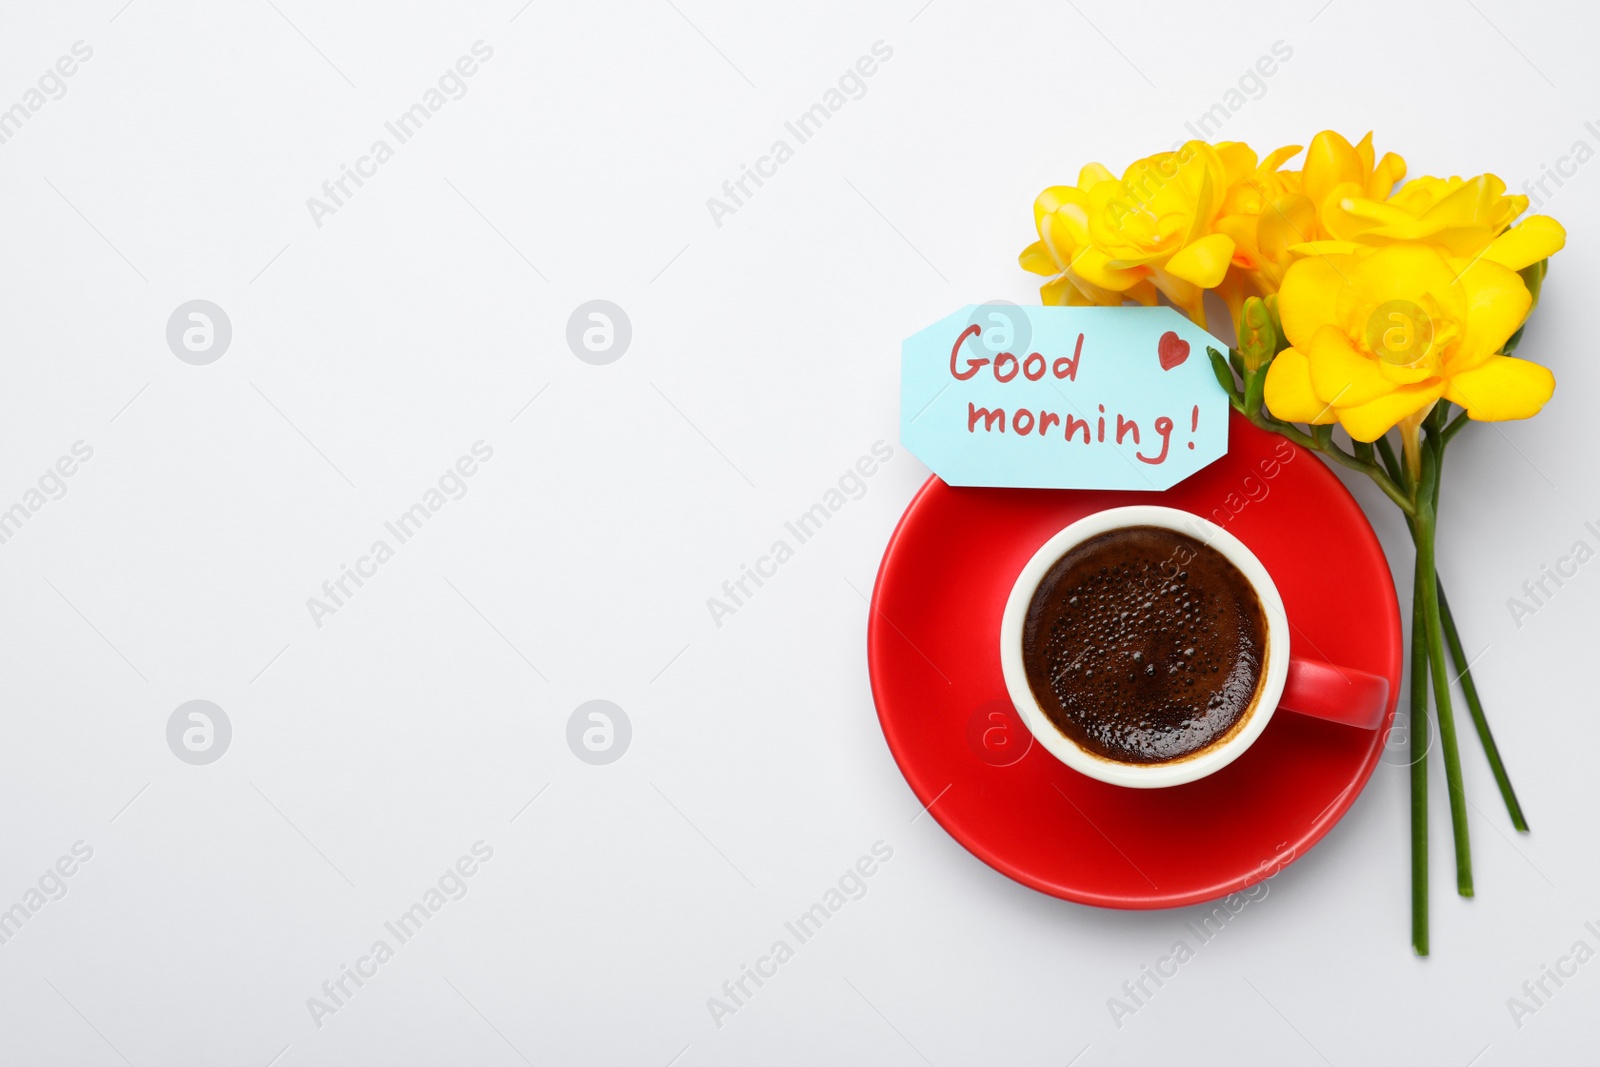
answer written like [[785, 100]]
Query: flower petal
[[1403, 374], [1060, 235], [1406, 272], [1288, 390], [1055, 293], [1324, 248], [1093, 173], [1094, 294], [1346, 214], [1342, 375], [1364, 152], [1184, 295], [1242, 228], [1309, 296], [1203, 262], [1036, 259], [1279, 156], [1399, 274], [1095, 267], [1503, 387], [1422, 192], [1047, 202], [1389, 170], [1370, 421], [1464, 242], [1330, 160], [1526, 243], [1283, 224], [1497, 303], [1238, 159], [1144, 292], [1465, 203]]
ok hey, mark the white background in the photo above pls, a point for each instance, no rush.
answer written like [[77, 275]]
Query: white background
[[368, 354]]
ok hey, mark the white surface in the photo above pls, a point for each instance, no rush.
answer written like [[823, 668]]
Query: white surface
[[372, 752]]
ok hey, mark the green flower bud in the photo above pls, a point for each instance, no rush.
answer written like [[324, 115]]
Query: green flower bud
[[1258, 335], [1277, 322]]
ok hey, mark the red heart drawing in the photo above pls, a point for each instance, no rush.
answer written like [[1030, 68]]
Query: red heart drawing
[[1172, 350]]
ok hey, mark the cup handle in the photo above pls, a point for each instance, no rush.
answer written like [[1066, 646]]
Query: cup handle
[[1337, 694]]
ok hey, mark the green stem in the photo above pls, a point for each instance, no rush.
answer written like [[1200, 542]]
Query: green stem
[[1469, 689], [1419, 773], [1373, 471], [1426, 522], [1241, 403], [1341, 457], [1254, 388], [1432, 627], [1391, 462]]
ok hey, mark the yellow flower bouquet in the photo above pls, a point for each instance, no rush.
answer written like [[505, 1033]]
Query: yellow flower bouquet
[[1356, 303]]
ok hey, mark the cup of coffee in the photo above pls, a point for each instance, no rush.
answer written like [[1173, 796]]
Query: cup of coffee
[[1147, 647]]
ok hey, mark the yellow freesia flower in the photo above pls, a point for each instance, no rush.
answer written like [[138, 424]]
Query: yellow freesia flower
[[1061, 215], [1158, 224], [1274, 215], [1379, 335], [1266, 214], [1109, 239], [1462, 217], [1335, 169]]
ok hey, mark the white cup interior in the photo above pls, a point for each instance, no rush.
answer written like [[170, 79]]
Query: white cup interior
[[1145, 775]]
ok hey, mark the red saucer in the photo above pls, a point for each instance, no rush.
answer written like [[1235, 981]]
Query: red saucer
[[932, 648]]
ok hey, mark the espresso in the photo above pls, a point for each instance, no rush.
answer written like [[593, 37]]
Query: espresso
[[1144, 645]]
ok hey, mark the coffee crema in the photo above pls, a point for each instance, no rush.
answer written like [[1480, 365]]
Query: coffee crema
[[1144, 645]]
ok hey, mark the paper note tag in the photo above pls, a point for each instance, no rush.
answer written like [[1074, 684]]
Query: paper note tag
[[1062, 397]]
